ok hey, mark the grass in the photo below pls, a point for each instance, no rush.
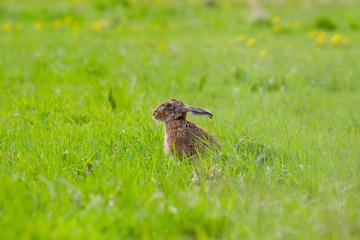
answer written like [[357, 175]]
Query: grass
[[78, 83]]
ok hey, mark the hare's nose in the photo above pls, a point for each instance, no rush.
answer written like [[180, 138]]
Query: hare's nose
[[153, 113]]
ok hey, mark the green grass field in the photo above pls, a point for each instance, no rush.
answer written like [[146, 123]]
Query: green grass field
[[79, 80]]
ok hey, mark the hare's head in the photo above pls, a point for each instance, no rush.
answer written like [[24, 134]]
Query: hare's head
[[174, 109]]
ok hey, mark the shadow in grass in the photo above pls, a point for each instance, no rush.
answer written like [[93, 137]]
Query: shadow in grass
[[78, 119], [325, 23], [255, 148]]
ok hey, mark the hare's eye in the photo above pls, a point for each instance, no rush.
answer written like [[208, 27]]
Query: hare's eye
[[168, 105]]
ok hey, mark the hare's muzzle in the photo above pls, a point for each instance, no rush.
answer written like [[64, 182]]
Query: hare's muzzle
[[154, 115]]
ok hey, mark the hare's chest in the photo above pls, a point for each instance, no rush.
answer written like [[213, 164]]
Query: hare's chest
[[168, 142]]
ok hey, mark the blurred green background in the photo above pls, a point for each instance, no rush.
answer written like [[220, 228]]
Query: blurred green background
[[81, 156]]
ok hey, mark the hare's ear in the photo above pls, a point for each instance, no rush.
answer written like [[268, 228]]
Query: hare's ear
[[198, 111]]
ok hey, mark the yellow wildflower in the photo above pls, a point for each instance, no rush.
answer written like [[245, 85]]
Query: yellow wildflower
[[312, 33], [320, 39], [296, 25], [154, 26], [96, 26], [240, 38], [56, 23], [99, 25], [336, 38], [68, 20], [76, 27], [18, 27], [263, 53], [275, 28], [275, 19], [250, 42], [38, 26], [161, 46], [6, 27]]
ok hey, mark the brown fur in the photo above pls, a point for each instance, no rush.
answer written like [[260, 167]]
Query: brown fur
[[186, 138]]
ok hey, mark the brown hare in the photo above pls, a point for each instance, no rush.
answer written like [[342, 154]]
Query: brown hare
[[183, 138]]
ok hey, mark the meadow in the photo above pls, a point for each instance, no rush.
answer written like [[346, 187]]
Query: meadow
[[82, 158]]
